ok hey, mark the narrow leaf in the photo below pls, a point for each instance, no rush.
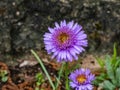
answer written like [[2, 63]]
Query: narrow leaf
[[118, 76], [107, 85], [110, 71]]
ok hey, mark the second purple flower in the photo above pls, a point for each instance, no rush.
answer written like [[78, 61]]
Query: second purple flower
[[81, 79], [65, 41]]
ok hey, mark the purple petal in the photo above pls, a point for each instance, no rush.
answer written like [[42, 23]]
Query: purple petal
[[73, 85], [80, 37], [55, 54], [48, 35], [77, 29], [51, 29], [69, 57], [63, 23], [89, 87], [73, 54], [78, 48], [74, 26], [57, 25], [70, 24]]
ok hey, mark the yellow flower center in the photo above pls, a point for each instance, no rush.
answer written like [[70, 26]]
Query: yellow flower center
[[81, 78], [63, 37]]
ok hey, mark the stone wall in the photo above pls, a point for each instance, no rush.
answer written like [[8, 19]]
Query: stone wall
[[23, 22]]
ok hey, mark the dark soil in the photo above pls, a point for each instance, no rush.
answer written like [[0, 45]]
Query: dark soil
[[22, 73]]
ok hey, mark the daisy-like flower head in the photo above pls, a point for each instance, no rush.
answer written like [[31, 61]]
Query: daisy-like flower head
[[81, 79], [65, 41]]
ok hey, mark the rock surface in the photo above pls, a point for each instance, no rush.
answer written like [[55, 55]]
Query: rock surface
[[23, 22]]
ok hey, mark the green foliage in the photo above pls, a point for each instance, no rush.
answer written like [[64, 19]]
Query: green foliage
[[3, 75], [60, 74], [117, 75], [113, 82], [110, 77], [107, 85], [39, 80], [99, 79], [100, 62], [43, 67]]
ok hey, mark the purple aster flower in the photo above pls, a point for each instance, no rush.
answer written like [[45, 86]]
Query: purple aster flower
[[65, 41], [81, 79]]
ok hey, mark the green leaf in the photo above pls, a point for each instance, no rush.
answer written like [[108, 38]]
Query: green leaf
[[44, 69], [117, 63], [107, 85], [118, 76], [100, 62], [38, 83], [4, 79], [110, 71], [101, 77], [114, 52], [5, 72], [114, 55], [37, 88], [59, 75], [108, 57]]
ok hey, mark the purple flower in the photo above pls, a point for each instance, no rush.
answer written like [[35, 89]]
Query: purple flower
[[81, 79], [65, 41]]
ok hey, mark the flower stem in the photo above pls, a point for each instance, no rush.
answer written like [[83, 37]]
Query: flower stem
[[60, 74], [43, 67], [66, 77]]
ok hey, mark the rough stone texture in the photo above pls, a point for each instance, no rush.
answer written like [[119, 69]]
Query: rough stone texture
[[4, 29], [23, 22]]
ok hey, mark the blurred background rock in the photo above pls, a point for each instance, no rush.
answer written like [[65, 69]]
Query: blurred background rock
[[23, 22]]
